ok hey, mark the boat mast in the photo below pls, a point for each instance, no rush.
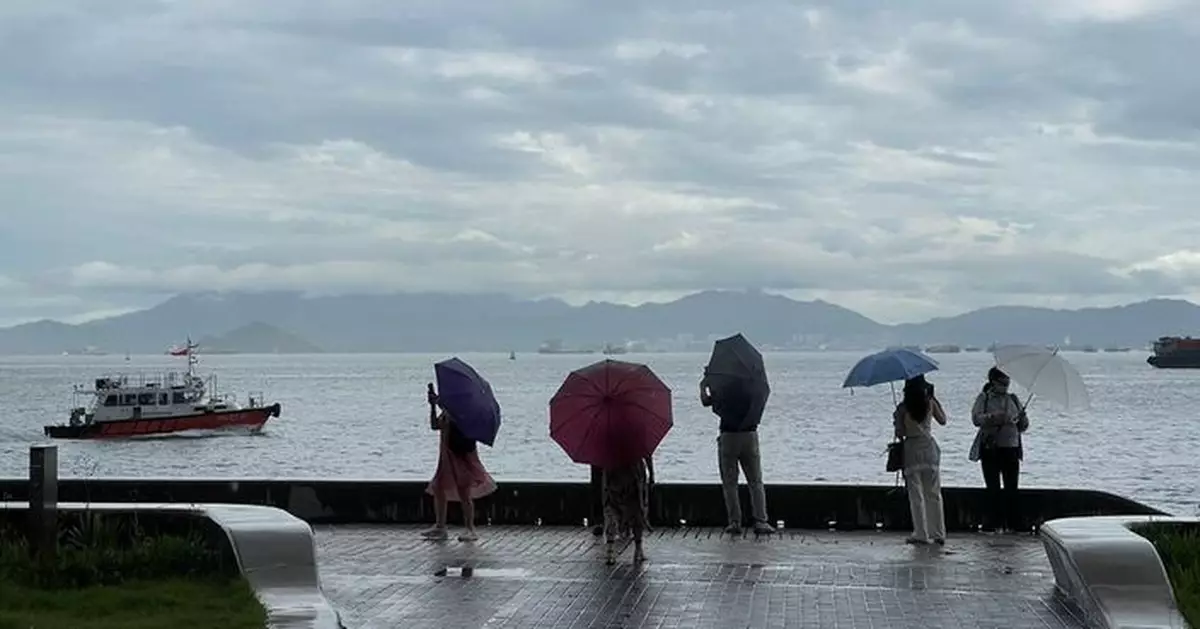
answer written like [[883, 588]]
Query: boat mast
[[191, 356]]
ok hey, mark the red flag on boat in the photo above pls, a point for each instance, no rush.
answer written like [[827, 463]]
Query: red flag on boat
[[186, 350]]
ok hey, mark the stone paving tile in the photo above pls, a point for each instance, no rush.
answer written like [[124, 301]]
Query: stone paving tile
[[533, 577]]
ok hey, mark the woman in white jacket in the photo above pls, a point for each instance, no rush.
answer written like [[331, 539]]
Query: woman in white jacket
[[922, 460]]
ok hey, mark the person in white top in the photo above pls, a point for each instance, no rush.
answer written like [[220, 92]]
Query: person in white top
[[922, 460]]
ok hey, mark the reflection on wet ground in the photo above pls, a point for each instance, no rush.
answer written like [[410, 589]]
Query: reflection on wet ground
[[529, 577]]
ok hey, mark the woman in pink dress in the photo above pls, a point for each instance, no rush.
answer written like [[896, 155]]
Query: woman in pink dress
[[460, 475]]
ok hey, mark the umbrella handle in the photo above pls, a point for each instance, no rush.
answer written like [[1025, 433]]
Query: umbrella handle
[[1035, 377], [1025, 407], [430, 397]]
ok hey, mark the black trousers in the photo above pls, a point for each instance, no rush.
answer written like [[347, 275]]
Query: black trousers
[[1003, 466]]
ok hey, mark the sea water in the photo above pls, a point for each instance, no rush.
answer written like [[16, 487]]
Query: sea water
[[365, 416]]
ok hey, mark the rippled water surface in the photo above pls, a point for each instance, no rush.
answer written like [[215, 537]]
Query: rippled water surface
[[363, 416]]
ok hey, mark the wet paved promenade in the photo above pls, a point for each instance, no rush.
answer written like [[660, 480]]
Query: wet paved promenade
[[527, 578]]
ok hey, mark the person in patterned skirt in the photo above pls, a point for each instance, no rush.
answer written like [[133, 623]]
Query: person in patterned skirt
[[627, 506]]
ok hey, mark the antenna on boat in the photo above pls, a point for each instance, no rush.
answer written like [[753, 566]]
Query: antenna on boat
[[190, 350]]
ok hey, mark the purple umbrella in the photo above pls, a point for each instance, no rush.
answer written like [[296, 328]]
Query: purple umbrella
[[469, 399]]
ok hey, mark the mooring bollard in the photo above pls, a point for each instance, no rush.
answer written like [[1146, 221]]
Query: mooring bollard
[[43, 501]]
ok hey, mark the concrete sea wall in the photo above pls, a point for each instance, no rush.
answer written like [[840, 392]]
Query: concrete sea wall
[[801, 506]]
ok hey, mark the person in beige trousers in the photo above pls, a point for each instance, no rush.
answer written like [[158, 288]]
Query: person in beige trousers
[[913, 422], [737, 446]]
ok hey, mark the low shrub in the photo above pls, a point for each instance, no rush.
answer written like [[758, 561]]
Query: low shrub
[[1179, 547], [182, 603], [108, 549]]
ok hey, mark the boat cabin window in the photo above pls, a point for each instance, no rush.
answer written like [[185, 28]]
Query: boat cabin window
[[129, 399], [146, 399], [163, 399], [178, 398], [112, 400]]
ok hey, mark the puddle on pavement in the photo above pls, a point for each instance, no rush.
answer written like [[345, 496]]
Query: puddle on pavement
[[468, 572], [502, 573]]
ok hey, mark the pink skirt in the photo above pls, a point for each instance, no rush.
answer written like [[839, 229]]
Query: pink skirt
[[463, 473]]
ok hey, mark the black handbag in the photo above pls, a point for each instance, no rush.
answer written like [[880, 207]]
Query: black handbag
[[895, 456]]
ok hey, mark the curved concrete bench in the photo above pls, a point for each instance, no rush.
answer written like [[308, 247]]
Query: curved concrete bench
[[275, 551], [1114, 575]]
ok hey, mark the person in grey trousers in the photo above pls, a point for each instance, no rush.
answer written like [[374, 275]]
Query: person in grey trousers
[[737, 446]]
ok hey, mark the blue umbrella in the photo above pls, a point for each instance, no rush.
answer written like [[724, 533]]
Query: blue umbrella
[[890, 365], [469, 400]]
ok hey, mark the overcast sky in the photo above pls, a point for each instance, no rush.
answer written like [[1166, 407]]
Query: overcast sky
[[906, 159]]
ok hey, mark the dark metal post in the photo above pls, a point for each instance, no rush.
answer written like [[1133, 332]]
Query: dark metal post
[[43, 501]]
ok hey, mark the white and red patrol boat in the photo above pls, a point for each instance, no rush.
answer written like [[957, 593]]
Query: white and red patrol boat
[[123, 406]]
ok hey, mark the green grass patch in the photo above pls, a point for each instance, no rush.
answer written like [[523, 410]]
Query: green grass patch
[[1179, 547], [170, 604], [125, 571]]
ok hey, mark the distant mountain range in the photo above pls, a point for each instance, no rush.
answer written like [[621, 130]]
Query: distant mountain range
[[257, 338], [410, 322]]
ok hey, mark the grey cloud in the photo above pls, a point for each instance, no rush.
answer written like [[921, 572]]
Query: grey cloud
[[824, 147], [1127, 72], [426, 119], [1038, 273], [1152, 90]]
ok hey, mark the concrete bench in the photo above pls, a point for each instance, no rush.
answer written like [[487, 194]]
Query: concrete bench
[[1114, 575], [274, 549]]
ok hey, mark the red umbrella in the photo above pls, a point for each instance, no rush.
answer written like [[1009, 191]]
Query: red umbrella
[[611, 413]]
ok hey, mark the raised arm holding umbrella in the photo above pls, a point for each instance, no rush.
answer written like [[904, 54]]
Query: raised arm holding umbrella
[[464, 412]]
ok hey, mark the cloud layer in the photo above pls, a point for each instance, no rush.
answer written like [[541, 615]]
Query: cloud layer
[[907, 160]]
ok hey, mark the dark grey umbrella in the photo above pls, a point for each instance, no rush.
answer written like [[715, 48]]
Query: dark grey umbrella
[[737, 363]]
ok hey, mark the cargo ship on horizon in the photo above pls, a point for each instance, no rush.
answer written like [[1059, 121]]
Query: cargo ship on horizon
[[555, 346], [1175, 352]]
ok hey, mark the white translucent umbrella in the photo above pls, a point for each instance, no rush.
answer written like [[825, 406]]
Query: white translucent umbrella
[[1044, 373]]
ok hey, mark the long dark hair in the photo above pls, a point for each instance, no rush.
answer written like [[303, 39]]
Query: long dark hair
[[916, 398]]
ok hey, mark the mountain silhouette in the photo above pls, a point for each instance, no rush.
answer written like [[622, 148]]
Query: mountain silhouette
[[433, 322], [257, 338], [1132, 325]]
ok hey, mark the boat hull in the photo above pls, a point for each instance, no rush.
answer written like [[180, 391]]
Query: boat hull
[[1171, 361], [251, 419]]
